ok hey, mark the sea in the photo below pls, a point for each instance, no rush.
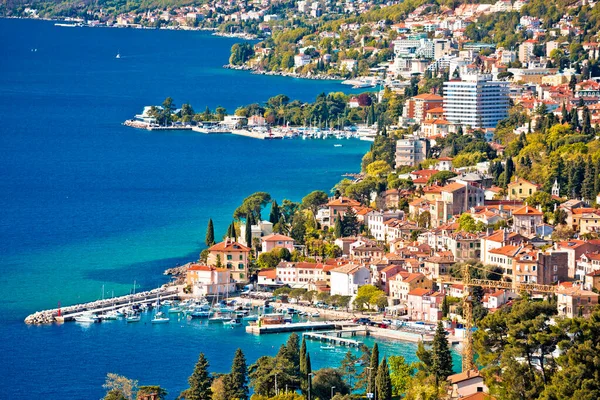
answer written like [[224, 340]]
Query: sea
[[90, 208]]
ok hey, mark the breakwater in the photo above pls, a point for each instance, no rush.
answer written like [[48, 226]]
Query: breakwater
[[69, 313]]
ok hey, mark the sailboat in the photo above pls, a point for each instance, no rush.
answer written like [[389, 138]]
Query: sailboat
[[160, 318], [118, 54]]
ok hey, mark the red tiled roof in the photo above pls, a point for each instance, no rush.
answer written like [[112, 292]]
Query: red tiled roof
[[229, 246], [343, 201], [274, 237]]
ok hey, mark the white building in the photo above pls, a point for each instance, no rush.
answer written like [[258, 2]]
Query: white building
[[476, 101], [411, 151], [346, 280]]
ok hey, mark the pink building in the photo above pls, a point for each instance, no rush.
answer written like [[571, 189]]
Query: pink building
[[275, 240]]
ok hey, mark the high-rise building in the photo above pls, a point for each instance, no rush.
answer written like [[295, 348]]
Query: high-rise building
[[476, 101]]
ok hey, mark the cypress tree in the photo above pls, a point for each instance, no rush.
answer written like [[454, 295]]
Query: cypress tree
[[275, 213], [597, 177], [508, 171], [384, 381], [308, 371], [338, 229], [575, 118], [248, 230], [587, 187], [303, 373], [350, 223], [445, 307], [564, 114], [199, 381], [441, 362], [373, 366], [238, 377], [210, 233]]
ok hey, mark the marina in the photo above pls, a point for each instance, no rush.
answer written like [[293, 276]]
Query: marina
[[336, 337]]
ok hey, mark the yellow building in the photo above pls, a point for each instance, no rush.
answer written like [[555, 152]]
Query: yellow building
[[231, 255], [520, 189]]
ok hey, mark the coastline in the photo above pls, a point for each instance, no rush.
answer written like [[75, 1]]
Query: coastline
[[283, 73]]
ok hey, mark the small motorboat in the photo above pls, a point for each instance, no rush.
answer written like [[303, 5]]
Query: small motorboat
[[315, 315], [133, 318], [250, 318], [109, 316], [160, 318], [175, 310], [200, 314], [233, 322], [87, 318], [328, 347]]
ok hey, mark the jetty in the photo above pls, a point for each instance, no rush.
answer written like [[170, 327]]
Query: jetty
[[132, 123], [337, 338], [65, 314]]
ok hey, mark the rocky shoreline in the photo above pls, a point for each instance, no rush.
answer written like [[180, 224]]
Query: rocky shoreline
[[283, 73]]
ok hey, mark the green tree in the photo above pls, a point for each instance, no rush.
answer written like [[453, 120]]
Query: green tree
[[117, 385], [325, 379], [441, 178], [237, 385], [252, 204], [210, 233], [155, 391], [350, 223], [275, 214], [373, 369], [338, 228], [348, 369], [248, 230], [384, 382], [314, 200], [441, 357], [200, 382], [400, 374]]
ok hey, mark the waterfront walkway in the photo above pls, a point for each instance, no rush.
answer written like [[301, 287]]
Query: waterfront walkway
[[69, 313]]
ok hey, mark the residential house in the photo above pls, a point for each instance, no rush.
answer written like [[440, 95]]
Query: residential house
[[339, 206], [299, 274], [592, 280], [275, 240], [439, 265], [268, 277], [366, 253], [464, 245], [573, 302], [466, 383], [497, 299], [540, 268], [526, 219], [346, 280], [403, 283], [231, 255], [575, 248], [209, 281], [424, 305], [503, 257], [521, 189], [498, 239]]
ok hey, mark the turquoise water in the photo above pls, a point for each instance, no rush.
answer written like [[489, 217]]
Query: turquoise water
[[86, 202]]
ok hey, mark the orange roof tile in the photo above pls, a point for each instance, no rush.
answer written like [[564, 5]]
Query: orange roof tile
[[227, 245], [527, 210], [343, 201]]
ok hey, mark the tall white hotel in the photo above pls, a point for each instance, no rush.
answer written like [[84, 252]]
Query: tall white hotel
[[476, 101]]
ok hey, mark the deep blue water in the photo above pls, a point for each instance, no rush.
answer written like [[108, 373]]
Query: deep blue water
[[86, 202]]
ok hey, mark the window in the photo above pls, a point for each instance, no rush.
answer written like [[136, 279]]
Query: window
[[241, 256], [241, 276], [240, 266], [229, 257]]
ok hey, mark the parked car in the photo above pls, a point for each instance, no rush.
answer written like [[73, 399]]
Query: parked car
[[362, 321]]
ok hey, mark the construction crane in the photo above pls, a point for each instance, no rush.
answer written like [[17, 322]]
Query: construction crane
[[467, 353]]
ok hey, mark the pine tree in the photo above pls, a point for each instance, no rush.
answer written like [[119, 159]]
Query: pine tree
[[384, 381], [199, 381], [210, 233], [373, 366], [338, 229], [238, 377], [441, 362], [275, 213], [248, 230]]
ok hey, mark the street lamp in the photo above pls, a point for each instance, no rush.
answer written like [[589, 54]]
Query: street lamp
[[276, 392], [333, 387]]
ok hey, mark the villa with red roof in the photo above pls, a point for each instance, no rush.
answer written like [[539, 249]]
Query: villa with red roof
[[206, 281], [231, 255]]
